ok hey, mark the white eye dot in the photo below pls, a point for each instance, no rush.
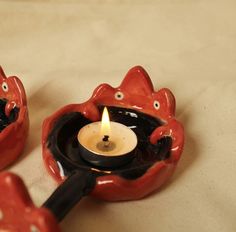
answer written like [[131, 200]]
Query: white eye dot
[[119, 95], [4, 87], [33, 228], [156, 105]]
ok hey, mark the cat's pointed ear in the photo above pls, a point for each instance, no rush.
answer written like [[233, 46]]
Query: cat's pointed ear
[[2, 74], [137, 82]]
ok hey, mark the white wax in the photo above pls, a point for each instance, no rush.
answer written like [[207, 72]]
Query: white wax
[[124, 138]]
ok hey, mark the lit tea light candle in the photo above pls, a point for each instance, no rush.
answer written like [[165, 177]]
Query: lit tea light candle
[[106, 143]]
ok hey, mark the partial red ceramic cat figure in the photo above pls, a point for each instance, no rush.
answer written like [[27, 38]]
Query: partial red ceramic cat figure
[[17, 211], [14, 121]]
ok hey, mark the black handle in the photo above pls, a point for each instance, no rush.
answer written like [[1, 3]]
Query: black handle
[[65, 197]]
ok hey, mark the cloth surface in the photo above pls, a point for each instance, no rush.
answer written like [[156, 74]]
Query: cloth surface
[[62, 50]]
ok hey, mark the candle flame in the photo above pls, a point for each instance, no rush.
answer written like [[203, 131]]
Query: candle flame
[[106, 127]]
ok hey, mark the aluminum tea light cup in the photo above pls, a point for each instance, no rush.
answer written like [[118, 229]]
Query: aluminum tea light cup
[[107, 144]]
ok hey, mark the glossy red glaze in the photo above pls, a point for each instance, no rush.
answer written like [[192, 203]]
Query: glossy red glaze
[[13, 137], [135, 92], [17, 211]]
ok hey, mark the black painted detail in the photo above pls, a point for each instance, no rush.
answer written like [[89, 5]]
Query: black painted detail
[[63, 143], [4, 120], [65, 197]]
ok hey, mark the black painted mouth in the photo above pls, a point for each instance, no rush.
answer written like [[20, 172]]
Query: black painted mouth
[[4, 120], [63, 143]]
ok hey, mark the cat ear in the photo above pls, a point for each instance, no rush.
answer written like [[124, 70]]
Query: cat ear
[[167, 102], [2, 74], [137, 82]]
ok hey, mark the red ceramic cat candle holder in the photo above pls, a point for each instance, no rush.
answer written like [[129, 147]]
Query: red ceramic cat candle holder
[[157, 141], [14, 121]]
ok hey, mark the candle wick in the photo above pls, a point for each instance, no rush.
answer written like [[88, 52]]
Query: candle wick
[[106, 141], [105, 138]]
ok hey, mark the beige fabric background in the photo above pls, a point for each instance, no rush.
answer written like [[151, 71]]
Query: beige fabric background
[[62, 50]]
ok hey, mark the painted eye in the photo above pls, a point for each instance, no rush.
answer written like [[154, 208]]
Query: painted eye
[[4, 87], [119, 95], [156, 105]]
